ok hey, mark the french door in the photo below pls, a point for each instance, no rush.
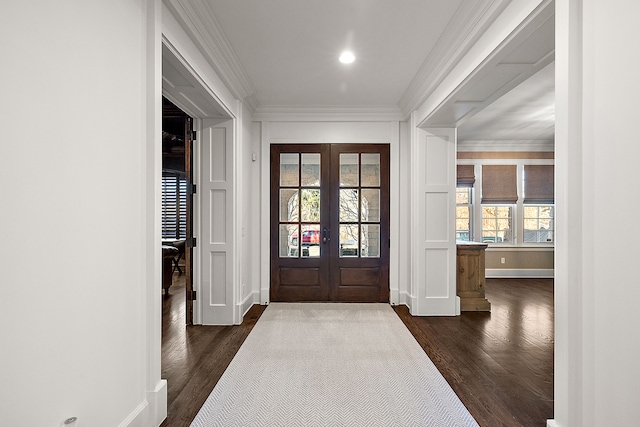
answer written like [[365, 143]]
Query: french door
[[330, 222]]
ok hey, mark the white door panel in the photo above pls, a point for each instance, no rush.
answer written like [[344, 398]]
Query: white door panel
[[216, 244]]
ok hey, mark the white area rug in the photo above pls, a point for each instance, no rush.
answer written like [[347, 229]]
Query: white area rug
[[331, 365]]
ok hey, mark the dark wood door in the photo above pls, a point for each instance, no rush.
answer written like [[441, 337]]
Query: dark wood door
[[188, 251], [330, 222]]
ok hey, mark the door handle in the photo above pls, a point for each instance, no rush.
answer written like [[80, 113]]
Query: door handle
[[325, 235]]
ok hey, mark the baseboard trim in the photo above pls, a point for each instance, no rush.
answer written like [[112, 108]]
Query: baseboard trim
[[519, 273], [264, 296], [158, 403], [552, 423], [394, 297], [249, 301], [151, 412], [405, 299], [138, 417]]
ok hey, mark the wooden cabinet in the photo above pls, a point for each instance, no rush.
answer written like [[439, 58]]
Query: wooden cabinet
[[470, 285]]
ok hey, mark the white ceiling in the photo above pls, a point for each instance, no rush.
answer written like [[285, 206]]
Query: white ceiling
[[527, 112], [282, 55], [290, 48]]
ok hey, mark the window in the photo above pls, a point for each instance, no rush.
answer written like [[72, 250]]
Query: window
[[463, 214], [174, 207], [497, 224], [512, 203], [538, 224], [499, 195], [538, 203]]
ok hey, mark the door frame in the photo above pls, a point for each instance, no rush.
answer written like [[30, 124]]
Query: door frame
[[362, 130], [206, 99]]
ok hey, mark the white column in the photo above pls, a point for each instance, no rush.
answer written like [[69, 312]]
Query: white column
[[433, 278], [596, 293]]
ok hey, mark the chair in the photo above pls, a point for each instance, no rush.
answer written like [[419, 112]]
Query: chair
[[180, 245], [168, 255]]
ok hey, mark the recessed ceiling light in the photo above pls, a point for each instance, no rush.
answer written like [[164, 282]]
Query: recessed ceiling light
[[347, 57]]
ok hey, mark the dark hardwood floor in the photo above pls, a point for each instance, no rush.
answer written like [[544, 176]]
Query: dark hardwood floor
[[500, 363], [194, 357]]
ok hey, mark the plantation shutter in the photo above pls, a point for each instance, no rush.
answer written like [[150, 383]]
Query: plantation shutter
[[499, 184], [538, 184], [174, 207], [465, 176]]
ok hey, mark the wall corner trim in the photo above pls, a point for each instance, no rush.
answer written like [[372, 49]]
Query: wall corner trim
[[157, 400]]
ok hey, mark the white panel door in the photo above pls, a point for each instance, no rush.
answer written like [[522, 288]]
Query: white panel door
[[433, 284], [216, 244]]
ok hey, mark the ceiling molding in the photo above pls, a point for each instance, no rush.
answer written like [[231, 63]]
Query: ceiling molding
[[506, 145], [277, 113], [201, 24], [252, 102], [469, 23]]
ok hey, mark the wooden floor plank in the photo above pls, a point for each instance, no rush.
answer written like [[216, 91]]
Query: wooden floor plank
[[194, 357], [499, 363]]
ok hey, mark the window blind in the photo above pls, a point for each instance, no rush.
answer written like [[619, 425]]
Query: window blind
[[499, 184], [174, 207], [538, 184], [465, 176]]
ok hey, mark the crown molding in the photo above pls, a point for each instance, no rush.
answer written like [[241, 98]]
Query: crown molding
[[355, 113], [467, 26], [201, 24], [506, 145], [252, 102]]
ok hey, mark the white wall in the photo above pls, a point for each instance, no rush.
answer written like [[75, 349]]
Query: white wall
[[405, 231], [328, 132], [75, 316], [249, 250], [597, 380]]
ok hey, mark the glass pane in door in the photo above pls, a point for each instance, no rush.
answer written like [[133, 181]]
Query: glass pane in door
[[349, 169], [370, 170], [289, 242], [310, 170], [288, 205], [370, 240], [310, 206], [289, 170], [349, 205], [370, 211], [310, 241], [349, 238]]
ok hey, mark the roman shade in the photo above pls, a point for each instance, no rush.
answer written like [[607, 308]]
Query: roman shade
[[465, 176], [499, 184], [538, 184]]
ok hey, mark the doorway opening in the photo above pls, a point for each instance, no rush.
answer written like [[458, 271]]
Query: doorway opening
[[177, 203]]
